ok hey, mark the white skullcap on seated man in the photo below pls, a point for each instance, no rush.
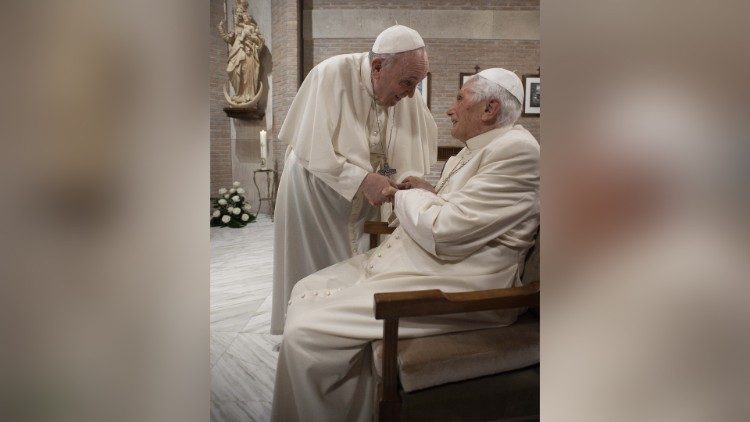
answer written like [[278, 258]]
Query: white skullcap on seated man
[[470, 232], [334, 171]]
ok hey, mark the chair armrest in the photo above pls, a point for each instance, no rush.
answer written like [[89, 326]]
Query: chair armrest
[[435, 302]]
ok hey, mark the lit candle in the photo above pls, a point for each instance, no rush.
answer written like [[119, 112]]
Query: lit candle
[[263, 149]]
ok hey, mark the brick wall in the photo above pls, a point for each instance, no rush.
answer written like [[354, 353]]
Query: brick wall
[[235, 143], [448, 57], [424, 4], [221, 147], [286, 81]]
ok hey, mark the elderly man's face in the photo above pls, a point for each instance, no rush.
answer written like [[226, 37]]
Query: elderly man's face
[[399, 79], [466, 114]]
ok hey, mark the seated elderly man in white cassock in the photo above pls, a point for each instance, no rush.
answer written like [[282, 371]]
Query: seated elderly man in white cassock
[[470, 232]]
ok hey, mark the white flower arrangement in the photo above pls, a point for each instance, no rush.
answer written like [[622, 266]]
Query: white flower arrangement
[[230, 208]]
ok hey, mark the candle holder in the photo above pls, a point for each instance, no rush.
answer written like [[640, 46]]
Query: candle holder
[[271, 178], [263, 164]]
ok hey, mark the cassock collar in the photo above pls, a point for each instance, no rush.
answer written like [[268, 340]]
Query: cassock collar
[[480, 141], [365, 74]]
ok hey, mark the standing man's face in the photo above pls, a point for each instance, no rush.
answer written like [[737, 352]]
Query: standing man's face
[[398, 79], [466, 114]]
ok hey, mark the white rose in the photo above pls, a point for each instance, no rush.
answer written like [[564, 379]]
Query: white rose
[[245, 217], [217, 213], [226, 218], [240, 191], [236, 184], [247, 206], [222, 191], [236, 198], [236, 211], [226, 196], [222, 201], [233, 190]]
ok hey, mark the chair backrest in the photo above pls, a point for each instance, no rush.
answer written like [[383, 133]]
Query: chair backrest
[[531, 269], [375, 229]]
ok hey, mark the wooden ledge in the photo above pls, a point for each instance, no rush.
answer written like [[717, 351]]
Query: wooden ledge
[[244, 113]]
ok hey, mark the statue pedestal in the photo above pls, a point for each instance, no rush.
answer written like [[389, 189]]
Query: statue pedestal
[[244, 113]]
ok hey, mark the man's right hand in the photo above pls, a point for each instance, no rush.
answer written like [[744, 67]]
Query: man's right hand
[[373, 185]]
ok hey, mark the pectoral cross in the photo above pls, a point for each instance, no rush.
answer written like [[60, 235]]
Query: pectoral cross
[[387, 171]]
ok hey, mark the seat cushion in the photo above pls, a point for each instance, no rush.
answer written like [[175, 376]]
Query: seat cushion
[[429, 361]]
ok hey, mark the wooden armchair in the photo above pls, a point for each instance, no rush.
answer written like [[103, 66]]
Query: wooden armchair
[[505, 386]]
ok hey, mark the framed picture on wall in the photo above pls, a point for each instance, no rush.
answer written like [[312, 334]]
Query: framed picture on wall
[[463, 77], [532, 87], [424, 88]]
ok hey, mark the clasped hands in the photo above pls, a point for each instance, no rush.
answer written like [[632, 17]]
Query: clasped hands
[[379, 189]]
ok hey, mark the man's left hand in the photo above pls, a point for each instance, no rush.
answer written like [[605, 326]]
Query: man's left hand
[[414, 182]]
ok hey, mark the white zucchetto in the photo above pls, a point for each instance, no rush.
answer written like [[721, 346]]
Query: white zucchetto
[[397, 39], [506, 79]]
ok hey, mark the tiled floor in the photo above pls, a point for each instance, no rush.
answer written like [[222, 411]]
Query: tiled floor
[[243, 353]]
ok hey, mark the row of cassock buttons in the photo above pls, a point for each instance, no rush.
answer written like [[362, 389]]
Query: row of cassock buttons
[[380, 255], [328, 292], [312, 294]]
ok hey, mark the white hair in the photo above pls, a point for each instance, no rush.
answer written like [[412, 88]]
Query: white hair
[[486, 90], [388, 58]]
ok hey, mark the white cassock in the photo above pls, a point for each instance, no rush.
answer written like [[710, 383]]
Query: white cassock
[[473, 235], [337, 135]]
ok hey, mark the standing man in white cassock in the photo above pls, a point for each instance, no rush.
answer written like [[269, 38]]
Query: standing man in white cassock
[[470, 232], [355, 127]]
